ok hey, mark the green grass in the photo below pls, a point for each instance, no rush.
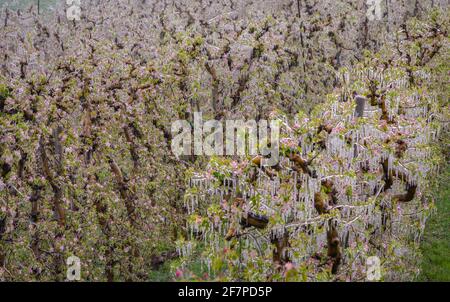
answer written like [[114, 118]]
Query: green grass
[[23, 4], [166, 271], [435, 245], [162, 274]]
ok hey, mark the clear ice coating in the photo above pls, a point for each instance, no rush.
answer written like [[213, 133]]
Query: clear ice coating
[[351, 160]]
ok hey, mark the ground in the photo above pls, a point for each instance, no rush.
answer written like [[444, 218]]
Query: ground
[[436, 242]]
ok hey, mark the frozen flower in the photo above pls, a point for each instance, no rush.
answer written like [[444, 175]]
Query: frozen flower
[[296, 126], [288, 142], [338, 129], [234, 164], [289, 266], [178, 273]]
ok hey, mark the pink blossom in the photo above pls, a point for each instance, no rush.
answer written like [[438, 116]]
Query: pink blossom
[[338, 129], [234, 164], [288, 142], [179, 273], [289, 266]]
